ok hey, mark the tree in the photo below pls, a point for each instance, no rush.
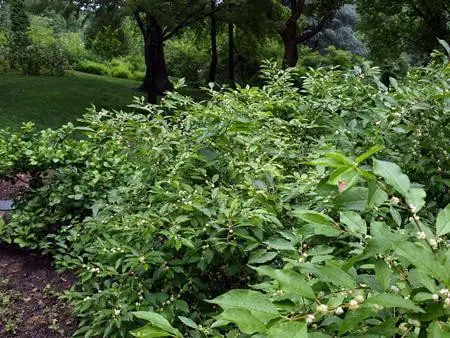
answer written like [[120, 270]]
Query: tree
[[393, 27], [160, 21], [19, 27], [292, 32], [340, 33]]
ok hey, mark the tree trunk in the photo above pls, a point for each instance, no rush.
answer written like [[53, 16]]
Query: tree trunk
[[156, 81], [213, 65], [289, 36], [231, 53]]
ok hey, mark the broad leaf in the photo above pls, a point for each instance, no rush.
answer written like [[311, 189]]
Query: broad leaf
[[291, 329], [393, 175], [244, 319], [443, 222], [336, 276], [390, 300], [383, 273], [255, 302], [156, 321], [289, 281], [354, 223]]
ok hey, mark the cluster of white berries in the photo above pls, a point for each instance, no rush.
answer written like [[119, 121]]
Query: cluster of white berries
[[118, 249], [97, 270]]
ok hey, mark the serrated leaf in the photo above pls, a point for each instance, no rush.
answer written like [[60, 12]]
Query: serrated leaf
[[393, 175], [390, 300], [353, 222], [443, 222], [255, 302], [291, 329], [383, 273], [244, 319], [289, 281]]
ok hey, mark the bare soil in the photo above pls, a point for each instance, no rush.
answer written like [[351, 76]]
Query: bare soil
[[30, 287]]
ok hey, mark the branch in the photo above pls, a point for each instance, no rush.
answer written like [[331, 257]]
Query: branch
[[137, 17], [296, 10], [191, 18], [312, 32]]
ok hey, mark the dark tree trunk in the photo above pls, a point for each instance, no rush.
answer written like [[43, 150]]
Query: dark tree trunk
[[156, 81], [289, 36], [231, 53], [213, 65]]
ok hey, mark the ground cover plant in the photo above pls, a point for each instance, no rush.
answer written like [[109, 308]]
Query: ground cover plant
[[314, 210]]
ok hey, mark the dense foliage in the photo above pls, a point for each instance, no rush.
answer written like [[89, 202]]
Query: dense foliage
[[160, 211]]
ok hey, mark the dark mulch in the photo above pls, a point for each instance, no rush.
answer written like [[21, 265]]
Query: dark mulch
[[29, 289]]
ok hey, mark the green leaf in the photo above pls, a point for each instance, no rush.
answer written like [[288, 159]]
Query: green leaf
[[369, 153], [423, 258], [289, 281], [244, 319], [291, 329], [255, 302], [261, 257], [353, 199], [416, 197], [443, 222], [336, 276], [156, 321], [150, 331], [436, 330], [417, 277], [383, 273], [393, 175], [312, 217], [188, 322], [354, 223], [390, 300], [280, 244]]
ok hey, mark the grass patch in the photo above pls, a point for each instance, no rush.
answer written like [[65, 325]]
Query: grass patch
[[53, 101]]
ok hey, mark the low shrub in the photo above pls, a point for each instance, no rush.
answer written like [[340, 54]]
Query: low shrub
[[91, 67], [50, 60], [232, 202]]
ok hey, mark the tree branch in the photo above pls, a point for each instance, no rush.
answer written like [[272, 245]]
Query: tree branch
[[137, 16], [314, 31], [191, 18]]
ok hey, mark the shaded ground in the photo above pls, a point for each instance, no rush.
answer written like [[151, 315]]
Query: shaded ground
[[29, 305], [29, 289]]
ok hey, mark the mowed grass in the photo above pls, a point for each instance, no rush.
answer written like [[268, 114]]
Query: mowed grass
[[50, 102]]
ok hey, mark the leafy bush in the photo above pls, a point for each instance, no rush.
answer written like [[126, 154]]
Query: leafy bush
[[157, 213], [107, 43], [92, 67], [44, 59]]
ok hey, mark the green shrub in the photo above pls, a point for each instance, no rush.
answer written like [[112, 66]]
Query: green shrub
[[4, 52], [91, 67], [107, 43], [41, 59], [160, 212]]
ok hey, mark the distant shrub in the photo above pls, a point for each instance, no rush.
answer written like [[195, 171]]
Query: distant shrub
[[186, 59], [74, 46], [107, 43], [41, 59], [4, 53], [121, 71], [91, 67]]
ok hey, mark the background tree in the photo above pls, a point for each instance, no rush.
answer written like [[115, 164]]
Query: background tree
[[393, 27], [19, 26], [298, 29], [340, 32]]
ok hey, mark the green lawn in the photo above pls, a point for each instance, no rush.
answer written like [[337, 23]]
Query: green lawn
[[53, 101]]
